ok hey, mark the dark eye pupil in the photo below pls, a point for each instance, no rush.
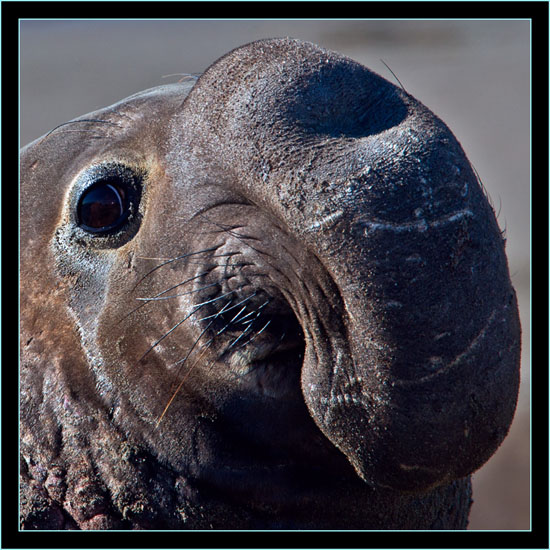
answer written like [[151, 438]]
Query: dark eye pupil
[[102, 207]]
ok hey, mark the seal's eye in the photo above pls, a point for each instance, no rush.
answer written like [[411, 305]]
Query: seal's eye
[[102, 207], [105, 209]]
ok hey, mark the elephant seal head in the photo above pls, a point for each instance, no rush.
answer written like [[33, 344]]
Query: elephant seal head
[[278, 298]]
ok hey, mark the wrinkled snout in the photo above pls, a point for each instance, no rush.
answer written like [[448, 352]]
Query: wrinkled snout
[[416, 383], [425, 387]]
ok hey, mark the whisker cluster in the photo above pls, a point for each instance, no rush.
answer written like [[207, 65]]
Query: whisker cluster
[[230, 319]]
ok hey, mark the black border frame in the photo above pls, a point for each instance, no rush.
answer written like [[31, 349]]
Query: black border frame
[[538, 536]]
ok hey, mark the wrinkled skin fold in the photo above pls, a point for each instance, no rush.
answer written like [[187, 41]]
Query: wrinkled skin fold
[[302, 320]]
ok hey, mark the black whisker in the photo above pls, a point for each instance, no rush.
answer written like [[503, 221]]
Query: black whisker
[[246, 330], [208, 344], [483, 188], [257, 311], [171, 260], [215, 299], [197, 308], [88, 120], [234, 320], [394, 75], [233, 307], [222, 329], [160, 294], [166, 334], [184, 76], [158, 297], [264, 327], [182, 362]]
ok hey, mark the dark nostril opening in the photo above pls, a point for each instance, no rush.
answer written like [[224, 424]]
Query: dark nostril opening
[[346, 99]]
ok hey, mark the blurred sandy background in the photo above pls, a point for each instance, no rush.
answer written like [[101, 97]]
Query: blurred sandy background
[[473, 74]]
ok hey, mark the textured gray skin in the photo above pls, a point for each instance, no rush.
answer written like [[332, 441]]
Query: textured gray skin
[[298, 174]]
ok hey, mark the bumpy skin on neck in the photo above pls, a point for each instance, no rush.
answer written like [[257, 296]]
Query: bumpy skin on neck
[[304, 320]]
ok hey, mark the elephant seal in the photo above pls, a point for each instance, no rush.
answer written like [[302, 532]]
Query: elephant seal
[[276, 299]]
